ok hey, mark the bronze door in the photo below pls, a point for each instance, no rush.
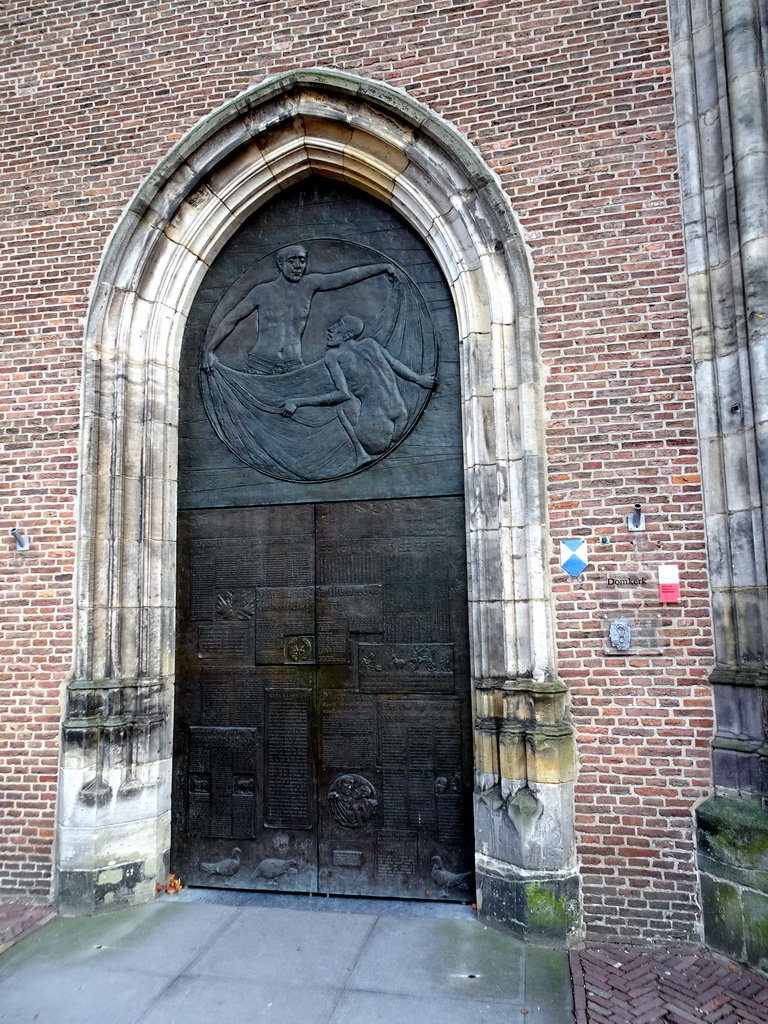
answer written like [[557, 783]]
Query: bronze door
[[322, 718], [322, 737]]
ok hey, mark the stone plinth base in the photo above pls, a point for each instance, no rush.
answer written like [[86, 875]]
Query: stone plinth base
[[732, 839], [112, 888], [543, 910]]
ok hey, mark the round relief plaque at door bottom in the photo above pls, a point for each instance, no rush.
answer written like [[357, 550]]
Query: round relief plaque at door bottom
[[353, 800]]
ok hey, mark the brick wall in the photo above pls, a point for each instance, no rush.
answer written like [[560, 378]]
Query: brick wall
[[571, 105]]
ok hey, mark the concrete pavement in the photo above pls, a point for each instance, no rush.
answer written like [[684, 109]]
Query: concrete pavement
[[221, 957]]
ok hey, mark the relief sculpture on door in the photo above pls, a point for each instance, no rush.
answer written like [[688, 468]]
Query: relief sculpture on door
[[299, 414], [322, 738]]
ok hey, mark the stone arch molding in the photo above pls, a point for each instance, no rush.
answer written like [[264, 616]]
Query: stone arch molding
[[114, 822]]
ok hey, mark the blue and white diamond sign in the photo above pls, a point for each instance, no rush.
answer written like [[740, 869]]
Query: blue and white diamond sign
[[573, 556]]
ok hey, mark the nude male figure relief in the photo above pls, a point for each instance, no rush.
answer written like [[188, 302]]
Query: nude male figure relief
[[282, 305]]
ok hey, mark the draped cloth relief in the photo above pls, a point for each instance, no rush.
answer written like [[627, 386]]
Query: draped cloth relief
[[318, 361]]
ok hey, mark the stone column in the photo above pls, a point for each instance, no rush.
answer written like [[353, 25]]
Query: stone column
[[113, 838], [719, 55]]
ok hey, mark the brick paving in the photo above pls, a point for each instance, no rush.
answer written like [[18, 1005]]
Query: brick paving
[[623, 984], [17, 920]]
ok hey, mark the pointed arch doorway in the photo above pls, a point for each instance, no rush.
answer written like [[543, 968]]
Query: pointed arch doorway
[[323, 726], [114, 824]]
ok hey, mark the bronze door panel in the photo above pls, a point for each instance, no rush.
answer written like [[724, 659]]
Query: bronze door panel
[[254, 431], [322, 737], [395, 782], [244, 798], [322, 725]]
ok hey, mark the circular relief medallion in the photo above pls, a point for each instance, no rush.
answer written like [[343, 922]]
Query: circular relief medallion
[[318, 361], [353, 800]]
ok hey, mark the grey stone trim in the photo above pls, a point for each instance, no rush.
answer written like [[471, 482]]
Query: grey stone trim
[[543, 908], [732, 856], [719, 51]]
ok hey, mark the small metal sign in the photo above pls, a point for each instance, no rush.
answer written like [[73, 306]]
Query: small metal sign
[[629, 632], [573, 556], [620, 634]]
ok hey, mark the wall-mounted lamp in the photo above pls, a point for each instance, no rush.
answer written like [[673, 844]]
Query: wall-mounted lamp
[[22, 541], [636, 519]]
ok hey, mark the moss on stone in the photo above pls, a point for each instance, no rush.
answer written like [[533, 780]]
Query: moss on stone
[[755, 911], [548, 911], [723, 921], [734, 832]]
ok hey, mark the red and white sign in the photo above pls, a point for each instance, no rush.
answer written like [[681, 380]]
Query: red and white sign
[[669, 583]]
